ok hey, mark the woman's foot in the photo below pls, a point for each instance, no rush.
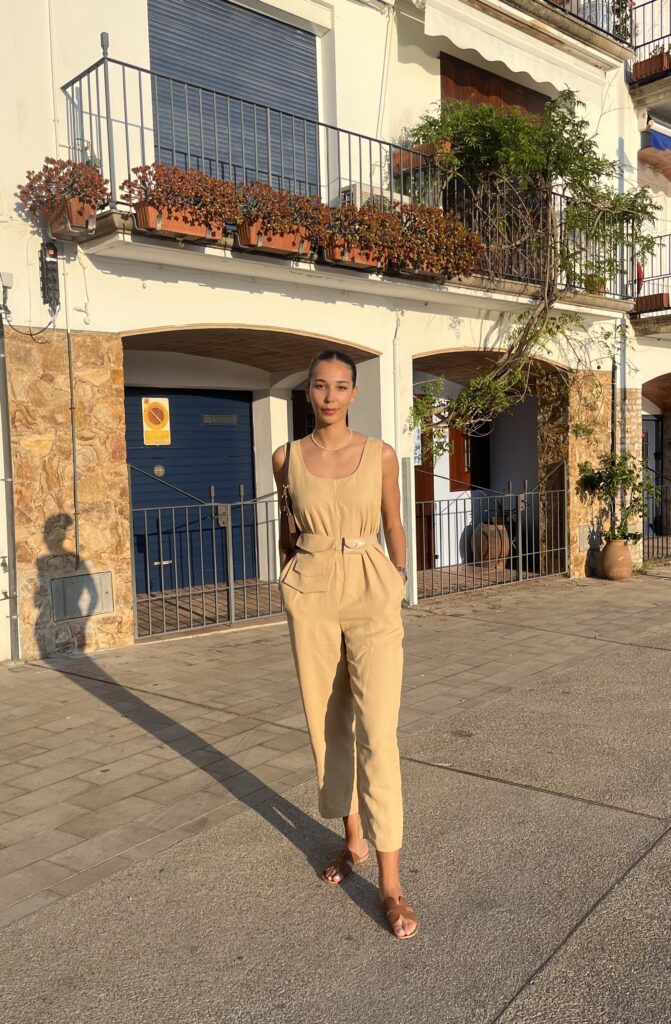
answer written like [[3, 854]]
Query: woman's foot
[[341, 866], [400, 916]]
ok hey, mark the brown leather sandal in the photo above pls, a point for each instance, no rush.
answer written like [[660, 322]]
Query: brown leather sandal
[[344, 864], [395, 910]]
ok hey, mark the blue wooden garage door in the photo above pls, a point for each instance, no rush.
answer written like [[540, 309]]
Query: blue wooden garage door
[[177, 541], [235, 93]]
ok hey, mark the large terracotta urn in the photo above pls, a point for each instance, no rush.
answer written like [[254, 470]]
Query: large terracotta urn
[[491, 544], [616, 563]]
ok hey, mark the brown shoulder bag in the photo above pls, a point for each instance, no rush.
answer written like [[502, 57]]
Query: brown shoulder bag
[[288, 529]]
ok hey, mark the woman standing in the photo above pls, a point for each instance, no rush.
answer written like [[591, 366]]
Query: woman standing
[[343, 595]]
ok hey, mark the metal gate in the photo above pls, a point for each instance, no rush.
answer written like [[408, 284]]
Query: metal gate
[[478, 540], [657, 524], [199, 564]]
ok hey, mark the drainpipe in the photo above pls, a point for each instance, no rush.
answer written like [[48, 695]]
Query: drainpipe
[[623, 385], [613, 406], [11, 593]]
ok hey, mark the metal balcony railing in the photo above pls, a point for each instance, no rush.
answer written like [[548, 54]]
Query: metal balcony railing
[[654, 289], [120, 116], [612, 17], [652, 32]]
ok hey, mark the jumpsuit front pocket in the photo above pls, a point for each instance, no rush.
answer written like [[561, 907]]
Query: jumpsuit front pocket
[[308, 573]]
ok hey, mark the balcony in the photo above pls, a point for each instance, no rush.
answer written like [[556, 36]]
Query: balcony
[[120, 116], [611, 17], [654, 291], [652, 39]]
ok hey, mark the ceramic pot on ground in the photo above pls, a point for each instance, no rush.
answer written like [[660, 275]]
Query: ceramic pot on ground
[[490, 543], [616, 563]]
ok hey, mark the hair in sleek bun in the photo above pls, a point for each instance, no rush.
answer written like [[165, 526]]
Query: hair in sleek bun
[[332, 355]]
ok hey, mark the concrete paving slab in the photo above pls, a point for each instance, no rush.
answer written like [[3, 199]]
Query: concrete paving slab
[[615, 968], [599, 731], [235, 925]]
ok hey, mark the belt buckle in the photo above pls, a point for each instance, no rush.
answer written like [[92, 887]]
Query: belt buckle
[[354, 542]]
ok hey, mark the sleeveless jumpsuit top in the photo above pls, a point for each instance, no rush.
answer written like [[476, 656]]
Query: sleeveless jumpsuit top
[[336, 518]]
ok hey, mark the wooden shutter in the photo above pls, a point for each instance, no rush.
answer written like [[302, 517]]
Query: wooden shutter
[[462, 81]]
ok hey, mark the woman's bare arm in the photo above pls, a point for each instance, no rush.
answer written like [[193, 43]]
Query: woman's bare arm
[[391, 507], [279, 456]]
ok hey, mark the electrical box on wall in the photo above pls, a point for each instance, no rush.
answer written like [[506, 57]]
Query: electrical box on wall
[[77, 597]]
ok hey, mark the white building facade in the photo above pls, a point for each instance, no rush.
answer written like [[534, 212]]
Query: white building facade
[[313, 96]]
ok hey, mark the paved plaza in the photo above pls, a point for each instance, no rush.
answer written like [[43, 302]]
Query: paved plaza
[[159, 837]]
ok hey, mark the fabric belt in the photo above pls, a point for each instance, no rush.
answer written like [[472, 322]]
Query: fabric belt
[[315, 543]]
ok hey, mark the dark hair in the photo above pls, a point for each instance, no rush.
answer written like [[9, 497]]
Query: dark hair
[[332, 355]]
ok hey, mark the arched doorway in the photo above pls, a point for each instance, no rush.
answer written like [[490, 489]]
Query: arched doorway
[[484, 517], [656, 454]]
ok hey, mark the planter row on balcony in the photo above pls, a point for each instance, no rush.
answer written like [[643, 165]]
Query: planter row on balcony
[[189, 204]]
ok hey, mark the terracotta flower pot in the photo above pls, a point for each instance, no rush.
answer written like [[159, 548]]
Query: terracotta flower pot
[[616, 563], [353, 256], [150, 218], [490, 543], [414, 157], [653, 303], [71, 218], [595, 284], [292, 243], [657, 64]]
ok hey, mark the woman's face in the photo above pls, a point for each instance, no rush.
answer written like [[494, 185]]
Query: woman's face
[[331, 391]]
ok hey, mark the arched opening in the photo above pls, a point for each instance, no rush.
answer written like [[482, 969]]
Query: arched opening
[[484, 516], [656, 454]]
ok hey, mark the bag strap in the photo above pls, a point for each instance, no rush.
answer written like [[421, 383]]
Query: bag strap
[[286, 466]]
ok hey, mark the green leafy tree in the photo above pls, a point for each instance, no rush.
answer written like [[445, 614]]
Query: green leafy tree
[[542, 197]]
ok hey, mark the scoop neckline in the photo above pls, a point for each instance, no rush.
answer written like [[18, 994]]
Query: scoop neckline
[[349, 475]]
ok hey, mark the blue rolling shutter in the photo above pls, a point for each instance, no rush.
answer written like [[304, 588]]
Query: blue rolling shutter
[[235, 93]]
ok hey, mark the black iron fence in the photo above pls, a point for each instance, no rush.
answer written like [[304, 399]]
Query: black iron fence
[[652, 36], [613, 17], [474, 541], [201, 564], [654, 286], [120, 115], [657, 525], [522, 231]]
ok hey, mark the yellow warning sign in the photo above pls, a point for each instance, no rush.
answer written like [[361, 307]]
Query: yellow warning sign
[[156, 420]]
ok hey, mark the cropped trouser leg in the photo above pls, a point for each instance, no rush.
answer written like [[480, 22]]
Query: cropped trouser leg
[[349, 660], [321, 664], [375, 659]]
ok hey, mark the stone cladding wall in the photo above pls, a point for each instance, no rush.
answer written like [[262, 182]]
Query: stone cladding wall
[[574, 426], [630, 437], [42, 458]]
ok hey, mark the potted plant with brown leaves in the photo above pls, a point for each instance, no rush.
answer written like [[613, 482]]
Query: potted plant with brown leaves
[[350, 235], [413, 158], [274, 220], [67, 194], [433, 244], [658, 62], [172, 201], [622, 488]]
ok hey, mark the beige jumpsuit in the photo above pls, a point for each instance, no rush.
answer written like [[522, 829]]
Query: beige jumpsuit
[[343, 601]]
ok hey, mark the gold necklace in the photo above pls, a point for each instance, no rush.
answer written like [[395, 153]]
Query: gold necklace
[[325, 449]]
